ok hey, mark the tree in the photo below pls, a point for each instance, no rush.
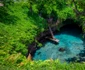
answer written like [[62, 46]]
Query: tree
[[79, 9]]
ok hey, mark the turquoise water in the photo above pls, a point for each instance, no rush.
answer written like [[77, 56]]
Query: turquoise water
[[69, 40]]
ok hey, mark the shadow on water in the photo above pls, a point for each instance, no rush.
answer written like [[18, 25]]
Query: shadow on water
[[80, 57], [71, 29]]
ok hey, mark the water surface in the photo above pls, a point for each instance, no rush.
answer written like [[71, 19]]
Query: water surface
[[70, 41]]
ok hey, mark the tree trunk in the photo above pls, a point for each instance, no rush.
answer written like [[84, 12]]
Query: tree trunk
[[51, 32]]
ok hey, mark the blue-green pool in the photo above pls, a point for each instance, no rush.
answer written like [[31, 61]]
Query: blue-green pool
[[70, 40]]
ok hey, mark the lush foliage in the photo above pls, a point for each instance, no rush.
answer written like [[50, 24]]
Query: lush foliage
[[57, 9], [17, 30], [21, 22], [44, 65]]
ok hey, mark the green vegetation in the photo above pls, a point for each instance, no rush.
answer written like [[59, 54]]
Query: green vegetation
[[44, 65], [21, 22]]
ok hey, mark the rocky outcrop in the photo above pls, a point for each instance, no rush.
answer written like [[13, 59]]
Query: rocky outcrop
[[61, 49]]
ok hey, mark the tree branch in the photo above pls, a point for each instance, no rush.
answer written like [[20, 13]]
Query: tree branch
[[76, 9]]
